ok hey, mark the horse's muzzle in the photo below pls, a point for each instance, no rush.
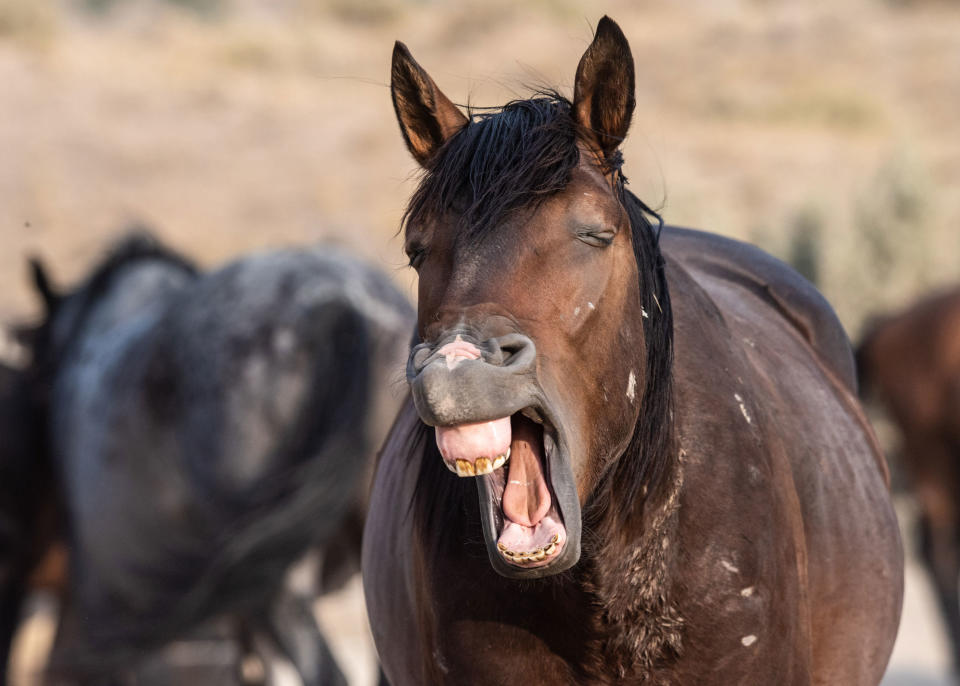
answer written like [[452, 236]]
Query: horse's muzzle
[[461, 379]]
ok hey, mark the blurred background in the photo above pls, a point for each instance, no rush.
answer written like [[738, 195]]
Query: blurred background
[[828, 133]]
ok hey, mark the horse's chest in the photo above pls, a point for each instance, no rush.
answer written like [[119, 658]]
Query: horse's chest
[[485, 629]]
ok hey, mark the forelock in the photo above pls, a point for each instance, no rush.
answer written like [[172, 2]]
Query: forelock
[[503, 161]]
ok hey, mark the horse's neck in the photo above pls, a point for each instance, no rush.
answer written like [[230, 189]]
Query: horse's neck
[[639, 625]]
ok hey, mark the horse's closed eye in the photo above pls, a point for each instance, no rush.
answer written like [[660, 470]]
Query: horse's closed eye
[[416, 254], [598, 238]]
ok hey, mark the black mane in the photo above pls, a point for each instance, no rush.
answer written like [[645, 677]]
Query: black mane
[[501, 161], [509, 160], [137, 246]]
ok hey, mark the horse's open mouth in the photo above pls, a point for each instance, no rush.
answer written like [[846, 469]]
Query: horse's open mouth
[[510, 456]]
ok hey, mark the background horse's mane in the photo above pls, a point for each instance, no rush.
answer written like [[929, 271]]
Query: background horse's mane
[[138, 245], [509, 160]]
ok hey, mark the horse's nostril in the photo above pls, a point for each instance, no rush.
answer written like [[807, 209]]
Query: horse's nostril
[[515, 349], [510, 352]]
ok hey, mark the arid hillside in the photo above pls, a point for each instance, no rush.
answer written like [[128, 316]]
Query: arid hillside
[[826, 132]]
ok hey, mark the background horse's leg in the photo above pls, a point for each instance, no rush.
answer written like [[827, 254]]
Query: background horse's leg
[[940, 548], [933, 465], [294, 627]]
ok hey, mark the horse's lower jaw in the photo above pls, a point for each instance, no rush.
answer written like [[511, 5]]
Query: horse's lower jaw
[[517, 551], [536, 546]]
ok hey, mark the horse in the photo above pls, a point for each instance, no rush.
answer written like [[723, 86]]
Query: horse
[[675, 482], [909, 362], [22, 491], [206, 431]]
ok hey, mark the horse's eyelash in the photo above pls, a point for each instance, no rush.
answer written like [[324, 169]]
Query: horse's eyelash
[[415, 255], [604, 236]]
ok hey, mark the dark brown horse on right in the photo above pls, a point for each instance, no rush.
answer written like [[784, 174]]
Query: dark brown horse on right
[[910, 363], [629, 456]]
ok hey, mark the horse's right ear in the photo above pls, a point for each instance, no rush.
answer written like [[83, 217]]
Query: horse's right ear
[[427, 117], [603, 98], [42, 283]]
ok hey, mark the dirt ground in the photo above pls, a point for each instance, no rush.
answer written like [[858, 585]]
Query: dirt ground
[[826, 132]]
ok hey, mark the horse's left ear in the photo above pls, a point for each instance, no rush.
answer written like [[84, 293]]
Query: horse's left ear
[[427, 117], [41, 281], [603, 98]]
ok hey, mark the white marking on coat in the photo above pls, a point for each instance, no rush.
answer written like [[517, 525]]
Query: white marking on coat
[[576, 310], [743, 408], [747, 592], [733, 569], [748, 640], [591, 306], [644, 314], [631, 386]]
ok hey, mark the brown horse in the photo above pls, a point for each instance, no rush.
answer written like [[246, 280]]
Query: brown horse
[[674, 480], [910, 362]]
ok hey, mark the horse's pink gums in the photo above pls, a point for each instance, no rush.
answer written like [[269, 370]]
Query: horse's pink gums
[[459, 350], [471, 441]]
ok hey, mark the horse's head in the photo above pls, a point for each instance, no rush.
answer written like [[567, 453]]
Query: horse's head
[[533, 362]]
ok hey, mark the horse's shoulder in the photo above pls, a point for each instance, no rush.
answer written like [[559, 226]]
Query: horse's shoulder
[[711, 258]]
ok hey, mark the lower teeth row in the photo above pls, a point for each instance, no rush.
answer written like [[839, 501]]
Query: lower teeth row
[[532, 556]]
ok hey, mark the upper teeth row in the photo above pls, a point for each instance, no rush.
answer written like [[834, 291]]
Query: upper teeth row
[[480, 466]]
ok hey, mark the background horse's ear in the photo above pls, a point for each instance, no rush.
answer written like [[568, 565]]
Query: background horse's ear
[[427, 117], [42, 283], [603, 98]]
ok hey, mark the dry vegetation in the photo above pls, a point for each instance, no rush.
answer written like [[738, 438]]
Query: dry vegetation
[[826, 131]]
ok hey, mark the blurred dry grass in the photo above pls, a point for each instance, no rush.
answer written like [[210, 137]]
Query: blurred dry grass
[[234, 125], [826, 132]]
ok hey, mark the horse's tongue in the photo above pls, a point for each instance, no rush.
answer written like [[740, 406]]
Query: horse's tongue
[[526, 498]]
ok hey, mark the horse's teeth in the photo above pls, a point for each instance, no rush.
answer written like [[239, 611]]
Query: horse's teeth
[[555, 539], [451, 467], [465, 468], [482, 466], [501, 460], [530, 556]]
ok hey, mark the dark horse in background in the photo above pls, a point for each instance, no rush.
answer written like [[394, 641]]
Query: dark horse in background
[[205, 432], [910, 363], [625, 460]]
